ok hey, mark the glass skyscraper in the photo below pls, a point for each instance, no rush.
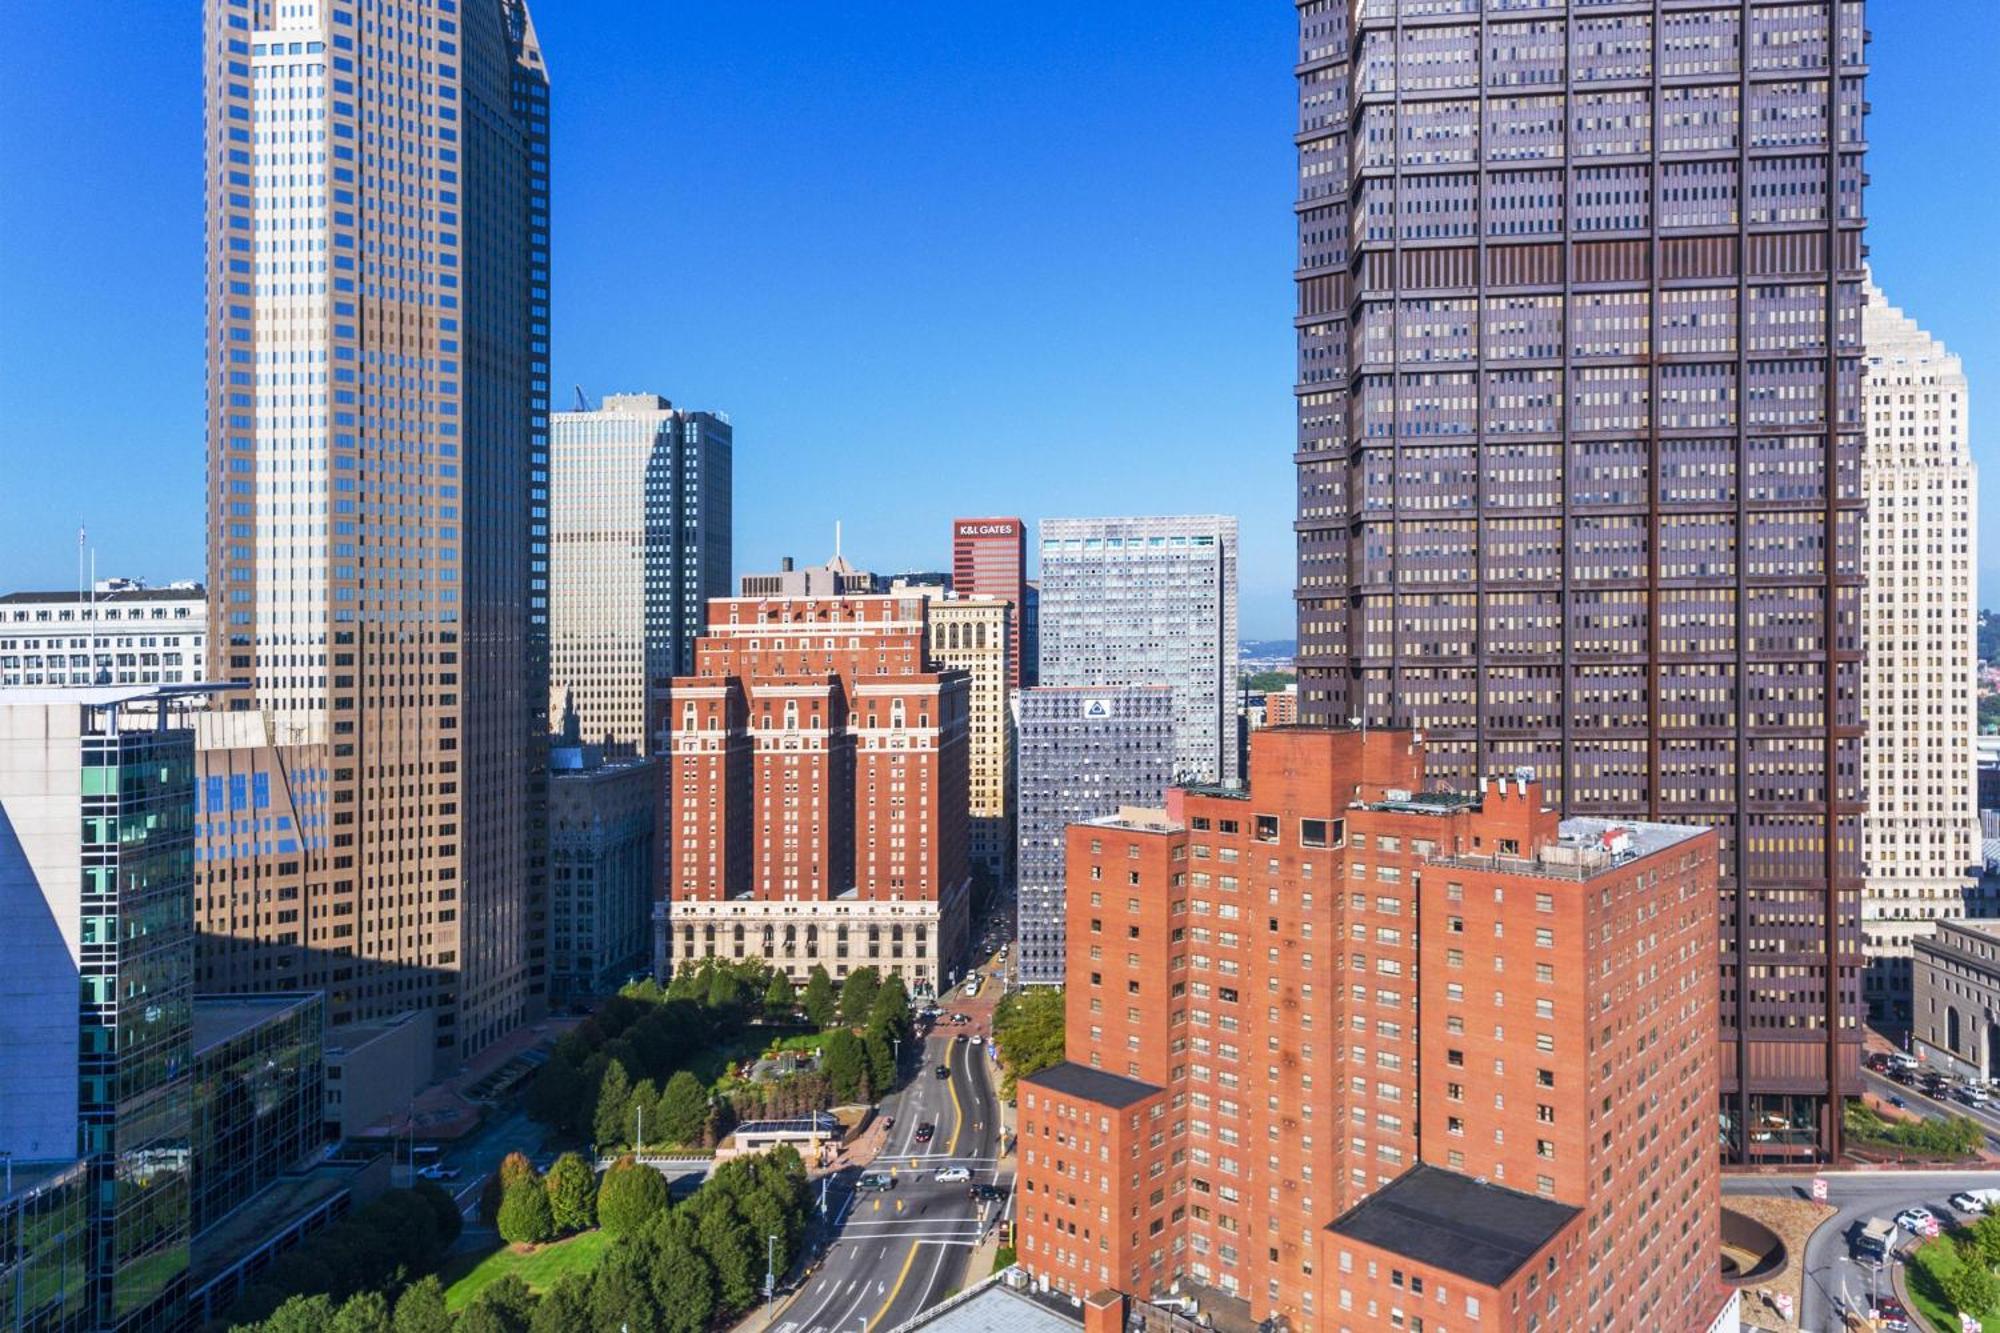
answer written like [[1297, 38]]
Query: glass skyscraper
[[377, 286], [1579, 448]]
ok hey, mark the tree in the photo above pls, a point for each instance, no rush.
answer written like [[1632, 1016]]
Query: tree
[[843, 1062], [420, 1309], [524, 1214], [364, 1312], [1971, 1288], [726, 1243], [879, 1053], [445, 1219], [642, 1114], [301, 1314], [819, 1003], [505, 1306], [684, 1284], [610, 1122], [891, 1008], [683, 1109], [779, 997], [725, 989], [566, 1307], [556, 1096], [857, 995], [572, 1190], [620, 1294], [1028, 1028], [1985, 1237], [630, 1194]]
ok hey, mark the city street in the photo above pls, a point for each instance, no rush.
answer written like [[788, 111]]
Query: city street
[[1834, 1280], [1934, 1108], [900, 1251]]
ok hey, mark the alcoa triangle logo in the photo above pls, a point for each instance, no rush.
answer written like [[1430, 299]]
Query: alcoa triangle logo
[[1096, 710]]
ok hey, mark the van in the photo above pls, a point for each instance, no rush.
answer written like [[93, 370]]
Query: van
[[1876, 1239]]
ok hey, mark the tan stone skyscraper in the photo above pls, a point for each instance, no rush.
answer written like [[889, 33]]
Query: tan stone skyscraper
[[377, 180], [977, 636], [1920, 838], [639, 520]]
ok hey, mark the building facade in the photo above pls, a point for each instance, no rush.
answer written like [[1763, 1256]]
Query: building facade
[[976, 635], [817, 799], [989, 558], [1955, 998], [1920, 839], [1149, 601], [45, 1249], [377, 525], [1579, 448], [639, 540], [1320, 1030], [603, 871], [259, 1091], [97, 795], [1081, 753], [124, 633]]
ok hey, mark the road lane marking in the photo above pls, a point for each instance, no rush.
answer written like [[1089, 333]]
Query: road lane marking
[[957, 1114], [901, 1278]]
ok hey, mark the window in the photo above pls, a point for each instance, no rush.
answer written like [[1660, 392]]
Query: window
[[1267, 828], [1312, 832]]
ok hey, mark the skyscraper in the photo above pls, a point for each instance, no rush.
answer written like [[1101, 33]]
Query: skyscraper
[[1579, 449], [989, 558], [97, 805], [377, 454], [1920, 838], [639, 526], [817, 790], [1149, 601]]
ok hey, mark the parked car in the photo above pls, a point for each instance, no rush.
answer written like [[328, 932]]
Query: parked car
[[925, 1131], [951, 1175], [1975, 1201], [1917, 1221], [944, 1071], [441, 1174], [1891, 1317]]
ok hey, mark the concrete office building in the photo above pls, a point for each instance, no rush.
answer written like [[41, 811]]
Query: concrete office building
[[1348, 1053], [122, 633], [97, 810], [989, 558], [603, 870], [1579, 449], [1920, 839], [639, 540], [377, 405], [836, 578], [1081, 753], [976, 635], [1955, 993], [1149, 601], [818, 791]]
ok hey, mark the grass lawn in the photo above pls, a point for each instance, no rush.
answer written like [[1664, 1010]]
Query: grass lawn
[[1929, 1263], [469, 1274]]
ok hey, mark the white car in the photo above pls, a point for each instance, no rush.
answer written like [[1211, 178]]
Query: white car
[[1967, 1203], [952, 1175], [1916, 1221], [978, 1040]]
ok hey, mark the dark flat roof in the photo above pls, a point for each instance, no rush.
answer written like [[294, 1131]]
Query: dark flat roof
[[110, 597], [1093, 1085], [221, 1018], [1450, 1221]]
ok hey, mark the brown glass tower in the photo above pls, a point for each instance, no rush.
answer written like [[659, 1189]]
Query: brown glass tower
[[1579, 447], [377, 285]]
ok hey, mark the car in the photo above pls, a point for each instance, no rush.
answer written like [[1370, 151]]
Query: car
[[951, 1175], [1897, 1102], [1891, 1317], [888, 1122], [1917, 1221], [961, 1019], [925, 1131], [1976, 1201], [944, 1071], [441, 1174], [875, 1181], [978, 1040], [984, 1193]]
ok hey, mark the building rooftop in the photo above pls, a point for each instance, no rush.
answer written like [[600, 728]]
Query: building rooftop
[[111, 596], [108, 696], [819, 1122], [1587, 847], [1445, 1220], [1137, 819], [221, 1018], [27, 1177], [997, 1306], [1093, 1085], [349, 1037]]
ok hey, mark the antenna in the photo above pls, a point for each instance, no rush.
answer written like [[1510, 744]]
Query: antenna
[[836, 539]]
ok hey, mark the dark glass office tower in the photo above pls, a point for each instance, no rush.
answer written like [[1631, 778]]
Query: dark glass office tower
[[1579, 447]]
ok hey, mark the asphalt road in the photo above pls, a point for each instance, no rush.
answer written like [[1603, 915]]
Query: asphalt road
[[1934, 1108], [901, 1251], [1834, 1281]]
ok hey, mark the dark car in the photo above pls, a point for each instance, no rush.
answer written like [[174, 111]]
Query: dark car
[[944, 1071], [924, 1132], [982, 1193]]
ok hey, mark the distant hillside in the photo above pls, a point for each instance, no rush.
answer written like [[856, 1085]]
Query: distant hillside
[[1270, 648]]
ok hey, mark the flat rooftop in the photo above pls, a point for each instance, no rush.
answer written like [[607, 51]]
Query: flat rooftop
[[1093, 1085], [221, 1018], [27, 1177], [1136, 820], [1452, 1222], [996, 1307], [1588, 846]]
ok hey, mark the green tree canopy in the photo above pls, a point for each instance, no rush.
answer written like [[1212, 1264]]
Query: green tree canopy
[[420, 1309], [844, 1063], [566, 1307], [683, 1109], [631, 1193], [301, 1314], [364, 1312], [612, 1120], [820, 1003], [779, 997], [524, 1214], [572, 1190], [1028, 1027], [857, 995]]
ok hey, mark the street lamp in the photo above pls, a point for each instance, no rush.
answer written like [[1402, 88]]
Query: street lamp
[[770, 1265], [639, 1135]]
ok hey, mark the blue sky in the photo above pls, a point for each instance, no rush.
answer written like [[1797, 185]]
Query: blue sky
[[1025, 258]]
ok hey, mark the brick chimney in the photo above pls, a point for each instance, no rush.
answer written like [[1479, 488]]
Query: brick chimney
[[1104, 1312]]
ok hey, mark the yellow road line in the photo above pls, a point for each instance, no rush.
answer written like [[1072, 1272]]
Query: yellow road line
[[957, 1113], [896, 1290]]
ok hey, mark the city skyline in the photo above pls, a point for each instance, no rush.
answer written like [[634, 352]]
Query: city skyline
[[85, 300]]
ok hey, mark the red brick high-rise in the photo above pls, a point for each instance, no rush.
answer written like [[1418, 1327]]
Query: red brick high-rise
[[989, 558], [1356, 1053], [817, 792]]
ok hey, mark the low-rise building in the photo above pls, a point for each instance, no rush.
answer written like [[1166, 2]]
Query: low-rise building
[[603, 870], [374, 1070], [1955, 992], [120, 633], [259, 1095]]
